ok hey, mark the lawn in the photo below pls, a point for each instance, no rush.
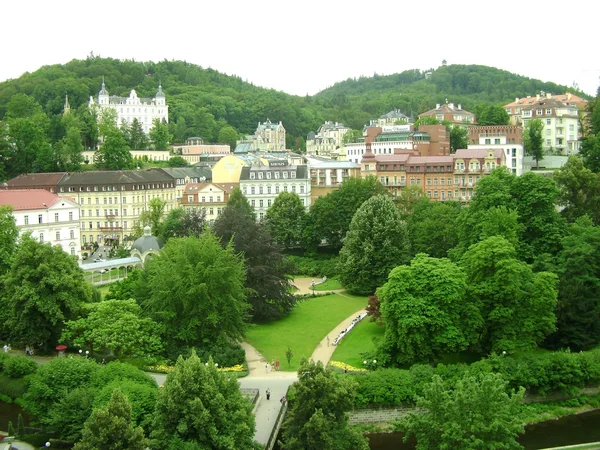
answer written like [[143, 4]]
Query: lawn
[[304, 328], [331, 284], [104, 290], [359, 340]]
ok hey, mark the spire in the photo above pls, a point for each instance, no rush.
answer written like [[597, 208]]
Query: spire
[[67, 107], [160, 93], [103, 91]]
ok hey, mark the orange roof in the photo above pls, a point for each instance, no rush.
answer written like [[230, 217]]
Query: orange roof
[[195, 187], [565, 98], [24, 199]]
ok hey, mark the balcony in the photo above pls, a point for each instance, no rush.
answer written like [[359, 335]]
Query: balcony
[[458, 170]]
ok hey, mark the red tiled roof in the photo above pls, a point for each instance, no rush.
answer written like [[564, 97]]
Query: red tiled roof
[[477, 153], [24, 199]]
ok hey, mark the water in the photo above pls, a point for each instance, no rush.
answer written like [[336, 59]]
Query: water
[[10, 412], [569, 430]]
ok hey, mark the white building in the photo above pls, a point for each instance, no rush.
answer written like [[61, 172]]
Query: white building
[[508, 138], [262, 184], [327, 140], [145, 110], [48, 217]]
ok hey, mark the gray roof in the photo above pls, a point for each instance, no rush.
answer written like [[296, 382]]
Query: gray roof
[[115, 177], [145, 243], [192, 172], [335, 165], [243, 148], [109, 263]]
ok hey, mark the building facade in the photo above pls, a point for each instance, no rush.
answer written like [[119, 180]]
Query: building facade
[[327, 140], [509, 138], [185, 175], [194, 150], [211, 198], [327, 176], [145, 110], [442, 177], [268, 137], [262, 184], [48, 217]]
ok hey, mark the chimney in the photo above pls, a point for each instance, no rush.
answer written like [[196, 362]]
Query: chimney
[[569, 96], [548, 95], [516, 99], [459, 106], [437, 106], [537, 96], [451, 105]]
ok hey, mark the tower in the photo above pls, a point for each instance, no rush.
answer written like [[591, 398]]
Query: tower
[[67, 107], [103, 94], [160, 96]]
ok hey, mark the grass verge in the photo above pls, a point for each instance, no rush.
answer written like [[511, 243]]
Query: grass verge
[[358, 341], [332, 284]]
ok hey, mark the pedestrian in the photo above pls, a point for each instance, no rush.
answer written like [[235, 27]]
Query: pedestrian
[[5, 348], [272, 364], [277, 365], [267, 368], [327, 341], [268, 392], [282, 401]]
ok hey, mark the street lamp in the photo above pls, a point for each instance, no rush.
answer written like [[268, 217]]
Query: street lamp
[[504, 353], [80, 352], [87, 353], [312, 286], [47, 444]]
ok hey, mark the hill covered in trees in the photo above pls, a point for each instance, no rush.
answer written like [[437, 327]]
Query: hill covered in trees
[[203, 101]]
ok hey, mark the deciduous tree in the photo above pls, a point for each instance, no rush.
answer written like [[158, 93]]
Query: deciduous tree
[[285, 219], [203, 407], [477, 414], [317, 416], [159, 134], [459, 138], [182, 222], [43, 288], [432, 227], [426, 312], [238, 200], [195, 289], [267, 283], [532, 140], [376, 243], [579, 190], [228, 135]]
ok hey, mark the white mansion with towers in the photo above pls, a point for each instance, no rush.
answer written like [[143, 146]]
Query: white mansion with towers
[[145, 110]]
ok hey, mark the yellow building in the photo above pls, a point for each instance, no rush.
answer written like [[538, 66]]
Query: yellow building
[[229, 168]]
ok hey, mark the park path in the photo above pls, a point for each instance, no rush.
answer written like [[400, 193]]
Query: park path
[[304, 286]]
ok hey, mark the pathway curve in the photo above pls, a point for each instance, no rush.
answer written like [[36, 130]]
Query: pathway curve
[[323, 352], [304, 286]]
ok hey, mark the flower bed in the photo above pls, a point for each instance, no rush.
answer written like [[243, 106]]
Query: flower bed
[[346, 367], [163, 368]]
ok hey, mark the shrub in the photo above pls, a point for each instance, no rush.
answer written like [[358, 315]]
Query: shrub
[[116, 371], [19, 366], [385, 387], [318, 266], [12, 387]]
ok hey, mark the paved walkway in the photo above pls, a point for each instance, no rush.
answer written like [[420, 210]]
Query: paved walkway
[[304, 286]]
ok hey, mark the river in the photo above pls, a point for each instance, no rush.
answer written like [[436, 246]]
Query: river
[[570, 430]]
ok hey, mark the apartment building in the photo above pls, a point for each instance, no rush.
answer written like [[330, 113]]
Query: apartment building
[[262, 184], [268, 137], [509, 138], [48, 217], [327, 175], [327, 140], [212, 198], [451, 113]]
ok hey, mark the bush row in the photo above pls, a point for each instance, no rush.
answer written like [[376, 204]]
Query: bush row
[[538, 373], [317, 266]]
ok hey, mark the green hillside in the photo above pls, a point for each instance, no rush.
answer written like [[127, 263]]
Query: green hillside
[[202, 101]]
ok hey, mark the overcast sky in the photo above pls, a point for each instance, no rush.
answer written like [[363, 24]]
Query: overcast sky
[[305, 46]]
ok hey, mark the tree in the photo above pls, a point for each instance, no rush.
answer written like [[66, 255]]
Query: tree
[[137, 139], [459, 138], [115, 326], [579, 190], [316, 418], [70, 148], [114, 153], [425, 312], [177, 161], [267, 283], [432, 227], [477, 414], [532, 140], [182, 222], [285, 219], [159, 134], [352, 136], [153, 215], [238, 200], [43, 288], [228, 135], [124, 289], [376, 243], [408, 199], [492, 115], [200, 405], [578, 308], [8, 238], [330, 216], [195, 289], [590, 152], [517, 305], [111, 428]]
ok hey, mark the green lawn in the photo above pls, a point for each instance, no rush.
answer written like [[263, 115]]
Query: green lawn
[[105, 276], [359, 340], [331, 284], [103, 290], [304, 328]]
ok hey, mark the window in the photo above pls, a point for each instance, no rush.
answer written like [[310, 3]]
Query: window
[[260, 203], [72, 250], [253, 203], [548, 121], [97, 213], [90, 229], [125, 225], [110, 200], [58, 235], [497, 141], [269, 203], [294, 189], [210, 199], [276, 175], [252, 190], [41, 237], [72, 234], [26, 218], [124, 200], [56, 217], [124, 211], [218, 198], [488, 141], [211, 211], [548, 110], [40, 218], [538, 112], [105, 200], [268, 175], [292, 174], [285, 188], [268, 189], [252, 175], [260, 175], [277, 189], [83, 239], [261, 216], [302, 189], [260, 190], [190, 198]]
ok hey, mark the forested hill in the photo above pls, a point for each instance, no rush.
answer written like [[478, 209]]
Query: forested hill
[[201, 101]]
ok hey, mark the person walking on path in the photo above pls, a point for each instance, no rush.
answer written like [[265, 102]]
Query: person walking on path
[[268, 392], [327, 341]]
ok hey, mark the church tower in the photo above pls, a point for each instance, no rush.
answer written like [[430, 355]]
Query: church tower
[[160, 96], [67, 107], [103, 95]]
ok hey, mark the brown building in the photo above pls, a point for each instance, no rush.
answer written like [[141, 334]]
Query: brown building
[[495, 135], [452, 113], [211, 198]]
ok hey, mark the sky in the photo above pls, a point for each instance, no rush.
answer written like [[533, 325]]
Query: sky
[[305, 46]]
